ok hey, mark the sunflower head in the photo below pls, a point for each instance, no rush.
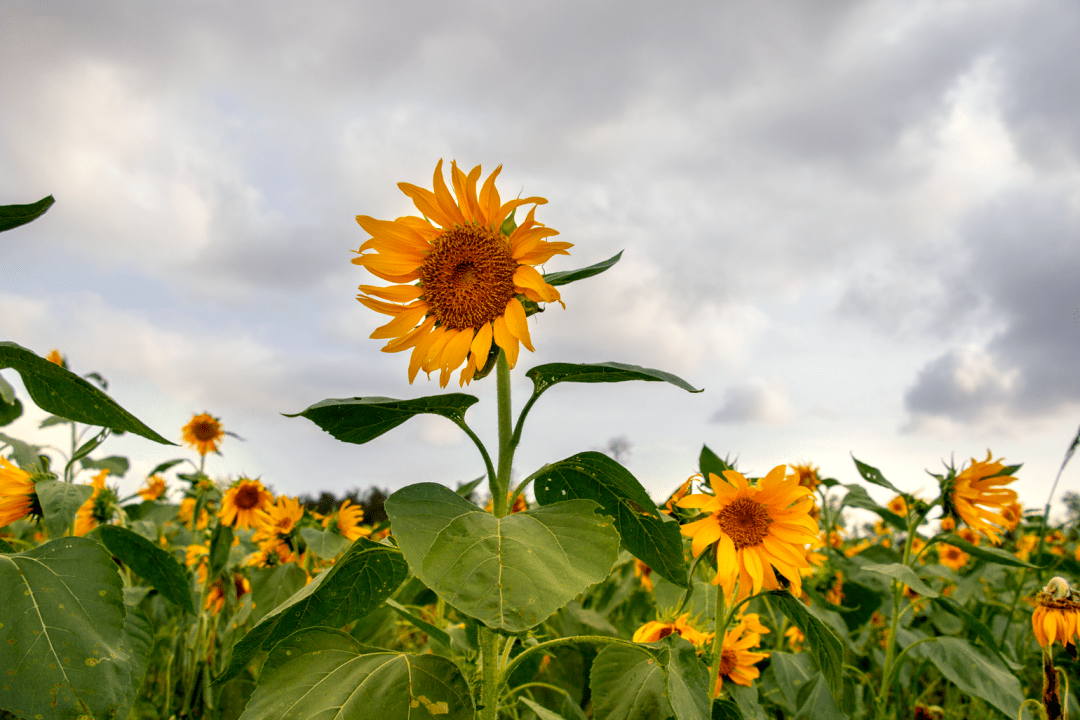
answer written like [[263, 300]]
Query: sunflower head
[[736, 659], [153, 489], [99, 508], [349, 517], [952, 557], [464, 272], [1057, 613], [203, 433], [807, 474], [977, 496], [243, 501], [17, 496]]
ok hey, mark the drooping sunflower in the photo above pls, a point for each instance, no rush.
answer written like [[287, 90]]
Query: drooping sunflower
[[17, 496], [204, 433], [978, 497], [1057, 614], [655, 630], [461, 274], [736, 660], [242, 502], [756, 528]]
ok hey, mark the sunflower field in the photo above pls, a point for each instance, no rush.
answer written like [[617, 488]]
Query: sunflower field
[[569, 594]]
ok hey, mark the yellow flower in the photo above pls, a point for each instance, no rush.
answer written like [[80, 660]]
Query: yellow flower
[[154, 488], [17, 496], [952, 556], [97, 509], [472, 277], [948, 523], [655, 630], [349, 517], [898, 505], [215, 599], [736, 660], [807, 474], [669, 506], [795, 638], [978, 497], [187, 509], [644, 573], [203, 433], [1013, 514], [198, 557], [835, 594], [243, 501], [278, 520], [1057, 614], [756, 528], [56, 358]]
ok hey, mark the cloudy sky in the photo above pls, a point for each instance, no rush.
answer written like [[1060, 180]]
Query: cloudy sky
[[854, 224]]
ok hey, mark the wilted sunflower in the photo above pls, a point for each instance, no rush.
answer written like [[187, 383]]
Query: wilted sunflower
[[656, 630], [17, 496], [978, 498], [756, 528], [473, 275], [243, 501], [736, 660], [204, 433], [1057, 614]]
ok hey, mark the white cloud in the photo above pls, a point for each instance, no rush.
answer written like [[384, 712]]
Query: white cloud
[[758, 400]]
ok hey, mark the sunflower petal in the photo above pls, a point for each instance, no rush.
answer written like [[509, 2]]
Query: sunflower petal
[[517, 324]]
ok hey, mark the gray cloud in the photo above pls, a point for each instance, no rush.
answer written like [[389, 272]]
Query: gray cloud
[[759, 400]]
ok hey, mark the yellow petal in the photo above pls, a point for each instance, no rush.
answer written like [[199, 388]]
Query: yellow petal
[[394, 293], [481, 345], [505, 340], [517, 324]]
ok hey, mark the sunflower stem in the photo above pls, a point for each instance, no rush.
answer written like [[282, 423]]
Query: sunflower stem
[[720, 622], [489, 683], [501, 485]]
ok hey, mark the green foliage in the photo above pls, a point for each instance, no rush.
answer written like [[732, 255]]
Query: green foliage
[[565, 277], [825, 647], [667, 678], [12, 216], [60, 502], [510, 573], [150, 562], [361, 420], [544, 376]]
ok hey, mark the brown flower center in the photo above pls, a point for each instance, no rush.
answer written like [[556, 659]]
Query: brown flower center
[[728, 661], [247, 496], [746, 522], [468, 276], [205, 430]]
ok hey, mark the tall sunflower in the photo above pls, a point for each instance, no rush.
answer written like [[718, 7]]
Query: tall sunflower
[[462, 275], [17, 496], [243, 501], [756, 528], [204, 433], [977, 495]]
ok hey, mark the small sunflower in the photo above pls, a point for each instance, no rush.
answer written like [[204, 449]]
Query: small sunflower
[[756, 528], [187, 510], [56, 358], [215, 599], [669, 506], [17, 496], [474, 274], [348, 521], [279, 520], [736, 660], [1057, 614], [898, 505], [654, 631], [204, 433], [198, 557], [243, 501], [1013, 514], [978, 497], [807, 474], [644, 573], [795, 638], [98, 508], [952, 557], [153, 489]]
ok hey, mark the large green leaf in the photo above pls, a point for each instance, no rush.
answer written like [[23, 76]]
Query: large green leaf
[[357, 583], [271, 587], [61, 632], [150, 562], [565, 277], [361, 420], [12, 216], [825, 647], [64, 393], [904, 574], [327, 545], [60, 501], [645, 531], [858, 497], [544, 376], [323, 674], [138, 644], [654, 682], [989, 554], [510, 573], [969, 670]]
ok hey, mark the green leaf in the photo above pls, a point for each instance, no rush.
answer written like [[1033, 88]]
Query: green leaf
[[858, 497], [815, 702], [10, 406], [164, 466], [565, 277], [661, 680], [64, 393], [150, 562], [977, 626], [709, 463], [432, 631], [7, 393], [989, 554], [53, 420], [26, 455], [61, 625], [220, 545], [357, 583], [324, 673], [327, 545], [544, 376], [5, 546], [969, 670], [138, 643], [60, 501], [541, 712], [510, 573], [270, 587], [12, 216], [726, 710], [466, 489], [747, 700], [873, 475], [904, 574], [361, 420], [116, 465], [825, 647], [645, 531]]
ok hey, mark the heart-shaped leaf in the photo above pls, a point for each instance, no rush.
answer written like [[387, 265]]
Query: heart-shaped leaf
[[510, 573], [645, 531], [361, 420], [662, 680]]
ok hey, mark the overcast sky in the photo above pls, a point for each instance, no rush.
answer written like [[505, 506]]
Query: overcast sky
[[855, 224]]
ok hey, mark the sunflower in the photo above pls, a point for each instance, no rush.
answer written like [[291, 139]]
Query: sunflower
[[187, 511], [17, 496], [736, 660], [243, 501], [475, 271], [153, 489], [56, 358], [795, 638], [807, 474], [215, 599], [1057, 614], [198, 557], [1013, 514], [349, 517], [898, 505], [98, 508], [979, 499], [204, 433], [755, 528], [669, 506], [644, 573], [278, 521], [952, 557], [655, 630]]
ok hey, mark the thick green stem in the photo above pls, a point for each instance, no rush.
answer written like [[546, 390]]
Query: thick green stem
[[720, 623], [489, 674], [501, 485]]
